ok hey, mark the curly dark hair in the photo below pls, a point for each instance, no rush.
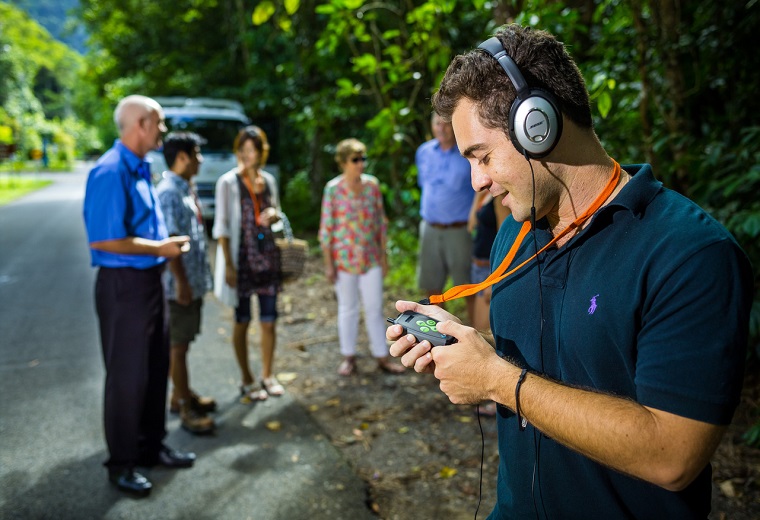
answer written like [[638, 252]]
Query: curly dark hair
[[543, 62], [176, 142]]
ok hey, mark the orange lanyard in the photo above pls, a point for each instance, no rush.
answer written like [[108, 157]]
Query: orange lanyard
[[254, 198], [499, 274]]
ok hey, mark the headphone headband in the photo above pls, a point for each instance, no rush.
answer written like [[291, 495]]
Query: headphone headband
[[494, 47]]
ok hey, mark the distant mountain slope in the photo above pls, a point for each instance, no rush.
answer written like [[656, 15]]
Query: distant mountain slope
[[54, 15]]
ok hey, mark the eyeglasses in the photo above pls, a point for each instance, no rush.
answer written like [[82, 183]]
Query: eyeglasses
[[355, 160]]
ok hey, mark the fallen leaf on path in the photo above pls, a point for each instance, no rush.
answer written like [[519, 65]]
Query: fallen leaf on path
[[727, 488], [274, 426], [287, 377], [447, 472]]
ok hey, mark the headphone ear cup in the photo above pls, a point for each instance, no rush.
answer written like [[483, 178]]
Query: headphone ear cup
[[512, 135], [535, 124]]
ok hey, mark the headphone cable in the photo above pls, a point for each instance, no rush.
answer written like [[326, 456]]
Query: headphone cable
[[537, 443], [482, 459]]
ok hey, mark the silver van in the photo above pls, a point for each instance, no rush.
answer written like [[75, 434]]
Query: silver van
[[216, 120]]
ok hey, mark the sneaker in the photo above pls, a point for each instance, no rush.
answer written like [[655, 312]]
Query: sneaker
[[199, 403], [194, 421]]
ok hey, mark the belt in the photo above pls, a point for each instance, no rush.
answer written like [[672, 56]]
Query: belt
[[447, 226], [481, 262]]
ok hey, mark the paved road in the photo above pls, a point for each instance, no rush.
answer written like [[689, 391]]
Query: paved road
[[51, 378]]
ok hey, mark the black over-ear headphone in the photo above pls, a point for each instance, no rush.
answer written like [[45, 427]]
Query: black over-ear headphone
[[535, 121]]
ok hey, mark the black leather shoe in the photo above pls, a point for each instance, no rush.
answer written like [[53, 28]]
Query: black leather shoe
[[130, 481], [175, 459], [169, 458]]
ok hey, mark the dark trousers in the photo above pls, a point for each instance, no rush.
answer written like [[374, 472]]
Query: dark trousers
[[134, 335]]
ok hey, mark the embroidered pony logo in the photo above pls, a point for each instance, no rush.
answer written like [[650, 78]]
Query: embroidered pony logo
[[592, 307]]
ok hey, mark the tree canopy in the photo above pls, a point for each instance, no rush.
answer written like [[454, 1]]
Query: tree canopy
[[672, 82], [39, 87]]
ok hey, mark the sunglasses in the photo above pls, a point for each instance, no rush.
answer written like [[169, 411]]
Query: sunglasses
[[355, 160]]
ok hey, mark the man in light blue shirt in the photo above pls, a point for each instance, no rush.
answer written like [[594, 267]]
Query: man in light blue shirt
[[443, 176], [129, 244]]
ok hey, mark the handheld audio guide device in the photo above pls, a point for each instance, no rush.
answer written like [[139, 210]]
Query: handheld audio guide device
[[422, 327]]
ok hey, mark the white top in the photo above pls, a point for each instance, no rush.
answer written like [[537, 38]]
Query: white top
[[227, 224]]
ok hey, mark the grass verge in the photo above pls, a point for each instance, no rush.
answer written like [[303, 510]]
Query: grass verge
[[14, 186]]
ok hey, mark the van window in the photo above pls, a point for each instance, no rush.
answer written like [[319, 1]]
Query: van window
[[220, 133]]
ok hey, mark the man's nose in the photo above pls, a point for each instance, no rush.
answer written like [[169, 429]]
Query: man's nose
[[479, 180]]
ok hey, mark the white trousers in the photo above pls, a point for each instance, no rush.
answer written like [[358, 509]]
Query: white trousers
[[369, 285]]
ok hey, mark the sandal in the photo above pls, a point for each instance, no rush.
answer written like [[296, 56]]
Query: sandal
[[389, 367], [250, 393], [272, 387], [347, 367]]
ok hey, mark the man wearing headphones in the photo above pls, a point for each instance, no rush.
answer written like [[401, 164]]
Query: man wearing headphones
[[620, 309]]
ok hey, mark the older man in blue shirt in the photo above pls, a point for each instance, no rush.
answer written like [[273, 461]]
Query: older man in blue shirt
[[129, 244], [443, 176]]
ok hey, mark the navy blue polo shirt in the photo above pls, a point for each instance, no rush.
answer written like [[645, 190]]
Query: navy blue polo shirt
[[120, 202], [649, 302]]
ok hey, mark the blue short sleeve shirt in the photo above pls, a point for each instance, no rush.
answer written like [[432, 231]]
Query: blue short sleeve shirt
[[120, 202], [444, 179]]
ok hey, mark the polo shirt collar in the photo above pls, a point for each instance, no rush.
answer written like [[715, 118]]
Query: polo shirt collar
[[635, 196], [640, 190]]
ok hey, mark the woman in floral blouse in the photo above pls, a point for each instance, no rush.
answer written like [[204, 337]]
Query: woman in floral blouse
[[352, 236]]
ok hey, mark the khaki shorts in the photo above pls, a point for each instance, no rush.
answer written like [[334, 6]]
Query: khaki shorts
[[184, 321]]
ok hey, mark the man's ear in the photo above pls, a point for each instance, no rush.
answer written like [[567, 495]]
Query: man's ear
[[180, 162]]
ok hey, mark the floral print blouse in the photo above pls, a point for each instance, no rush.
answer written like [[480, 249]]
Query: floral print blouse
[[352, 225]]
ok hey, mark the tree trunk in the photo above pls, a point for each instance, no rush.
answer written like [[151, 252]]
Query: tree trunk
[[642, 44], [673, 103]]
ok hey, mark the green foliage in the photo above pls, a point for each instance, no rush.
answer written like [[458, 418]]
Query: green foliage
[[296, 203], [38, 78], [54, 15], [402, 259]]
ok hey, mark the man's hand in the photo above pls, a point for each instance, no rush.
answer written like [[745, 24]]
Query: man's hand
[[230, 276], [174, 246], [415, 354], [464, 368]]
